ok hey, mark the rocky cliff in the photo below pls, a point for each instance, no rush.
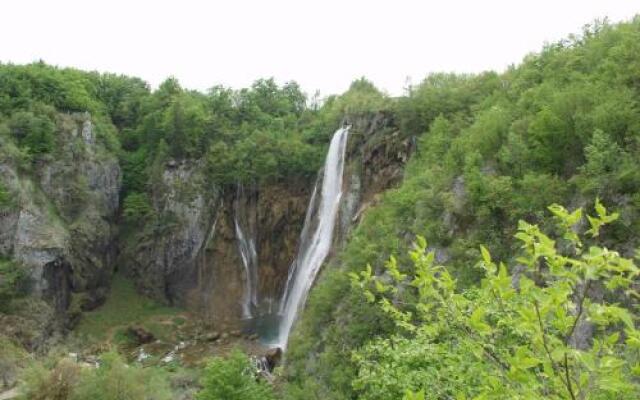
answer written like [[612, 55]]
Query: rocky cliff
[[58, 227], [376, 156], [193, 259], [193, 255]]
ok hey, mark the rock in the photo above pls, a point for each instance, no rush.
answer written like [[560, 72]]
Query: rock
[[91, 359], [236, 333], [224, 336], [254, 337], [212, 336], [141, 335], [87, 131], [142, 355], [169, 357], [273, 357]]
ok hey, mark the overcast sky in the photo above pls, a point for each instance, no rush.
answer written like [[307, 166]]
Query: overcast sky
[[321, 44]]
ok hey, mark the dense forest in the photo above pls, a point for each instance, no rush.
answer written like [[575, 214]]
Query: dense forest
[[502, 266]]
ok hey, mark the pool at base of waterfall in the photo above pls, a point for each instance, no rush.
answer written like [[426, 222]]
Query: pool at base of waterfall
[[265, 326]]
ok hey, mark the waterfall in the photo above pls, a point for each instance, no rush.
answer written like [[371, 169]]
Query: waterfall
[[304, 241], [247, 249], [316, 237]]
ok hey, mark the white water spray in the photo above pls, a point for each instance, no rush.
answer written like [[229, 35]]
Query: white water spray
[[314, 244]]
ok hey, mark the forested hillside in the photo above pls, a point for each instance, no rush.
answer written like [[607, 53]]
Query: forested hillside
[[562, 127], [485, 247]]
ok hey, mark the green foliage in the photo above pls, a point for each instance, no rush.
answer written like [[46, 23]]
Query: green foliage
[[362, 98], [33, 132], [123, 97], [233, 378], [442, 94], [515, 336], [66, 89], [57, 382], [13, 280], [12, 359], [136, 207], [6, 200], [113, 380]]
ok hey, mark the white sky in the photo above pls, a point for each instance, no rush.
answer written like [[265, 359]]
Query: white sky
[[322, 44]]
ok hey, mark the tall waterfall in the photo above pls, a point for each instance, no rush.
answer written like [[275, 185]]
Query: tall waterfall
[[316, 236], [247, 249]]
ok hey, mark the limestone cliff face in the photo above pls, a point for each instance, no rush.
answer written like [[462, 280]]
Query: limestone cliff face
[[194, 260], [272, 218], [161, 255], [192, 256], [60, 226], [376, 155]]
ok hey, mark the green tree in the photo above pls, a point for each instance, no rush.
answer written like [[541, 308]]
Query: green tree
[[136, 207]]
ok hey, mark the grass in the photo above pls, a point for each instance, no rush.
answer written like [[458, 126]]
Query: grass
[[125, 307]]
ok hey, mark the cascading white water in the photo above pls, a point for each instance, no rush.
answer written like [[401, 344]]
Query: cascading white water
[[316, 243], [304, 240], [247, 249]]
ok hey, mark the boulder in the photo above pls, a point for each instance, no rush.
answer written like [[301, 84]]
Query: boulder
[[141, 335], [273, 357]]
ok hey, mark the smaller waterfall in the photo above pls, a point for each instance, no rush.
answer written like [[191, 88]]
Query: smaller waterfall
[[247, 249], [316, 237]]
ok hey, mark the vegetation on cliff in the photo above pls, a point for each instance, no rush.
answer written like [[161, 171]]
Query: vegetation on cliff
[[562, 127]]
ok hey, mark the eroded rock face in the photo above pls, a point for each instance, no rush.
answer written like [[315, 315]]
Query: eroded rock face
[[162, 257], [196, 260], [277, 212], [60, 226], [376, 155]]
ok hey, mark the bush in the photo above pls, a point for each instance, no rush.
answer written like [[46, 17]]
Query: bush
[[12, 358], [6, 201], [57, 383], [136, 207], [113, 380], [33, 132], [233, 378], [515, 336], [13, 279]]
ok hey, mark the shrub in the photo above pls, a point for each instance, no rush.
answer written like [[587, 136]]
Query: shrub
[[57, 383], [233, 378], [33, 132], [6, 200], [12, 358], [136, 207], [115, 380], [515, 336], [13, 278]]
